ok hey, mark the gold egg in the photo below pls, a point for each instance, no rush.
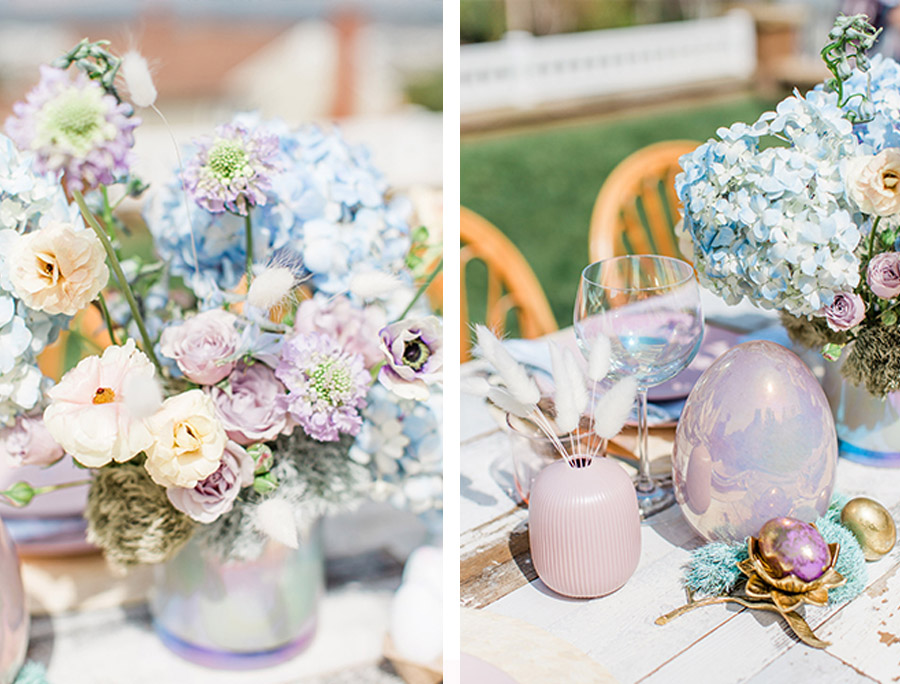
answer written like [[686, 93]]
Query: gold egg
[[871, 524]]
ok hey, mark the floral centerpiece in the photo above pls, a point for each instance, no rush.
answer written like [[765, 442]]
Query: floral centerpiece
[[800, 211], [272, 362]]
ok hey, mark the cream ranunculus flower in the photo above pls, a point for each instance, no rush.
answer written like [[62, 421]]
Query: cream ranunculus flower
[[89, 413], [189, 440], [58, 269], [873, 183]]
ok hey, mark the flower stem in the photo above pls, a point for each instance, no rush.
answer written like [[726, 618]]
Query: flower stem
[[106, 317], [872, 237], [248, 229], [120, 276], [65, 485], [421, 290]]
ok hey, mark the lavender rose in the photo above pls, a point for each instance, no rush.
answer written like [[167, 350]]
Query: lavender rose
[[249, 409], [28, 442], [215, 495], [199, 344], [846, 311], [415, 357], [883, 275]]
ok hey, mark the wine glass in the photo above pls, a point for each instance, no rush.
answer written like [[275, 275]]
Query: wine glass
[[649, 309]]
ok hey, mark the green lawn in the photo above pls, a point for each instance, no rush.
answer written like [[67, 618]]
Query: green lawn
[[539, 186]]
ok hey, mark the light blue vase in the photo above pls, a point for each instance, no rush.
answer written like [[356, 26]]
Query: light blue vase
[[868, 427]]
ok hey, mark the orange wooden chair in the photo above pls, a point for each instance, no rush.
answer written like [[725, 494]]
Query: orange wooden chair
[[637, 209], [511, 284]]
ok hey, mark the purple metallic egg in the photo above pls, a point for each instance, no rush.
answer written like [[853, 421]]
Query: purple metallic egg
[[793, 547], [756, 440]]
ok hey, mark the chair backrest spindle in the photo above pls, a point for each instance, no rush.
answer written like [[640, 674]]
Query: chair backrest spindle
[[512, 286], [637, 209]]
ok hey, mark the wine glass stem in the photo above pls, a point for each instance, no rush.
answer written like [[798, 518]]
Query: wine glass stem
[[644, 481]]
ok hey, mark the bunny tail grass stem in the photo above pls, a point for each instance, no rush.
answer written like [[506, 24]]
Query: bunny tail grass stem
[[120, 276], [187, 206], [541, 421]]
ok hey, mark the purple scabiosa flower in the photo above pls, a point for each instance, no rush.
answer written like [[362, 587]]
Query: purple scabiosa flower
[[414, 357], [74, 126], [326, 385], [355, 328], [232, 171]]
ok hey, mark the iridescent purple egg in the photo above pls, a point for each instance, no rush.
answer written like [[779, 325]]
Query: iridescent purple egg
[[756, 440], [793, 547]]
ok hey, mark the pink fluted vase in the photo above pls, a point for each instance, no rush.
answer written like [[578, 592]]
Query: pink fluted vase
[[14, 619], [584, 527]]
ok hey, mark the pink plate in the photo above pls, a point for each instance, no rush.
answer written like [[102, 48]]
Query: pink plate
[[477, 671], [716, 342]]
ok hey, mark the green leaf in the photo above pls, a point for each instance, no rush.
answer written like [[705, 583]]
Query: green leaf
[[20, 494], [73, 352], [832, 351], [420, 234]]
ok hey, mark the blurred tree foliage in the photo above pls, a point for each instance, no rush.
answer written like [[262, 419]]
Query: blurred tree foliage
[[481, 20], [485, 20], [427, 89]]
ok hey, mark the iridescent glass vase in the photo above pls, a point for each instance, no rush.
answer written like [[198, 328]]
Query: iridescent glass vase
[[239, 614], [14, 619], [868, 427]]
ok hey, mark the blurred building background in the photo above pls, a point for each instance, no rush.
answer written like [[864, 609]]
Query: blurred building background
[[374, 67]]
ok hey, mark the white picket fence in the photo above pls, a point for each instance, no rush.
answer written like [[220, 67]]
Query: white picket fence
[[523, 71]]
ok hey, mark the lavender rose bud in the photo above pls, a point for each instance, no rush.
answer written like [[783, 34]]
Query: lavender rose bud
[[414, 357], [846, 311], [199, 344], [883, 275], [249, 410], [215, 495], [28, 442]]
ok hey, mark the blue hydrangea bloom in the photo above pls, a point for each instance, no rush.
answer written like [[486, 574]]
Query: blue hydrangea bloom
[[329, 205], [400, 442], [27, 200], [775, 225]]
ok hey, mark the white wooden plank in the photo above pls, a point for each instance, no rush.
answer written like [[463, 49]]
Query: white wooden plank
[[482, 496], [655, 588], [866, 634], [628, 614], [808, 665]]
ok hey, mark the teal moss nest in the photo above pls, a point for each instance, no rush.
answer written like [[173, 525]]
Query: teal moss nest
[[712, 569], [130, 517]]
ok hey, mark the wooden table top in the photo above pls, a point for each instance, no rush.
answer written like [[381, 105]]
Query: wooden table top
[[720, 643]]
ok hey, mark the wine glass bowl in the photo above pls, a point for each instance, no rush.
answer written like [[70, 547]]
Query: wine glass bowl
[[648, 307]]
